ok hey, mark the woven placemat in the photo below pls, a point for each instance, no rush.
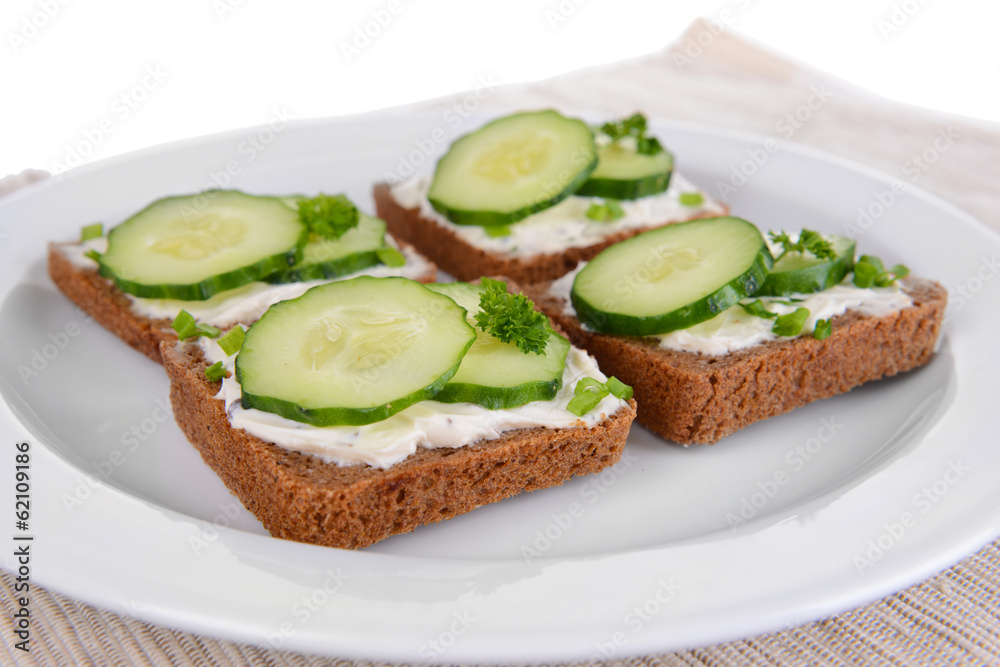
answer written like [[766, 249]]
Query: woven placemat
[[952, 619]]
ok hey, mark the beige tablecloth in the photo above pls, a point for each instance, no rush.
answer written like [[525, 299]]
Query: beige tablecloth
[[722, 80]]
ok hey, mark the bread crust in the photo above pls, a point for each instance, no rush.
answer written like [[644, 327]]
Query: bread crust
[[466, 262], [100, 298], [698, 398], [300, 497]]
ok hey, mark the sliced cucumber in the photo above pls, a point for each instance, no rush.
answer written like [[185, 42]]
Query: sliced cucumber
[[497, 375], [195, 246], [513, 167], [355, 250], [802, 273], [672, 277], [355, 351], [624, 173]]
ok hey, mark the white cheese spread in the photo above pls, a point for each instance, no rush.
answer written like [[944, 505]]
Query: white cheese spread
[[429, 424], [564, 225]]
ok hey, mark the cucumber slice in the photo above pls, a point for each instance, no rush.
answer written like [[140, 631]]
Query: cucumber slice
[[352, 352], [801, 273], [512, 167], [672, 277], [355, 250], [623, 173], [195, 246], [497, 375]]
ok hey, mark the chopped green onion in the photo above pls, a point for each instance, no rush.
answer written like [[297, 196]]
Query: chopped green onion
[[757, 309], [609, 211], [870, 272], [890, 276], [495, 231], [390, 257], [823, 329], [589, 384], [619, 389], [232, 341], [691, 199], [216, 372], [584, 403], [792, 323], [94, 231], [587, 394], [93, 254], [187, 327]]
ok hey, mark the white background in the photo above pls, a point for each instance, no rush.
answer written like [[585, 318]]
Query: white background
[[201, 66]]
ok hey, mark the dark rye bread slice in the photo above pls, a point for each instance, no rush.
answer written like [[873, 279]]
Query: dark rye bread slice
[[100, 298], [466, 262], [300, 497], [698, 398]]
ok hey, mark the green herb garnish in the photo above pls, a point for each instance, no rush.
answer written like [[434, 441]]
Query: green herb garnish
[[494, 231], [586, 395], [94, 231], [232, 341], [187, 327], [93, 254], [511, 318], [691, 199], [216, 372], [618, 388], [390, 257], [870, 272], [589, 392], [633, 126], [823, 329], [609, 211], [757, 309], [790, 324], [809, 242], [328, 216]]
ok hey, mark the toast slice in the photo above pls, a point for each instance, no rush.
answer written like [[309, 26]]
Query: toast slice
[[445, 247], [300, 497], [689, 397], [100, 298]]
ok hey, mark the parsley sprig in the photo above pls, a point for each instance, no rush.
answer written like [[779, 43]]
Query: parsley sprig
[[328, 216], [511, 318], [633, 126], [809, 242]]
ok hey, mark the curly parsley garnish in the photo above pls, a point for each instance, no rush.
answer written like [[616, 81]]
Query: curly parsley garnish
[[633, 126], [328, 216], [511, 318], [809, 242]]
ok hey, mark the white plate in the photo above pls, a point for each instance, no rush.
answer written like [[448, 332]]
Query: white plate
[[846, 499]]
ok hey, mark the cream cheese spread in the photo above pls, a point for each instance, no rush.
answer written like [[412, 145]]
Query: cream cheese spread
[[429, 424], [564, 225], [245, 303], [736, 329]]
